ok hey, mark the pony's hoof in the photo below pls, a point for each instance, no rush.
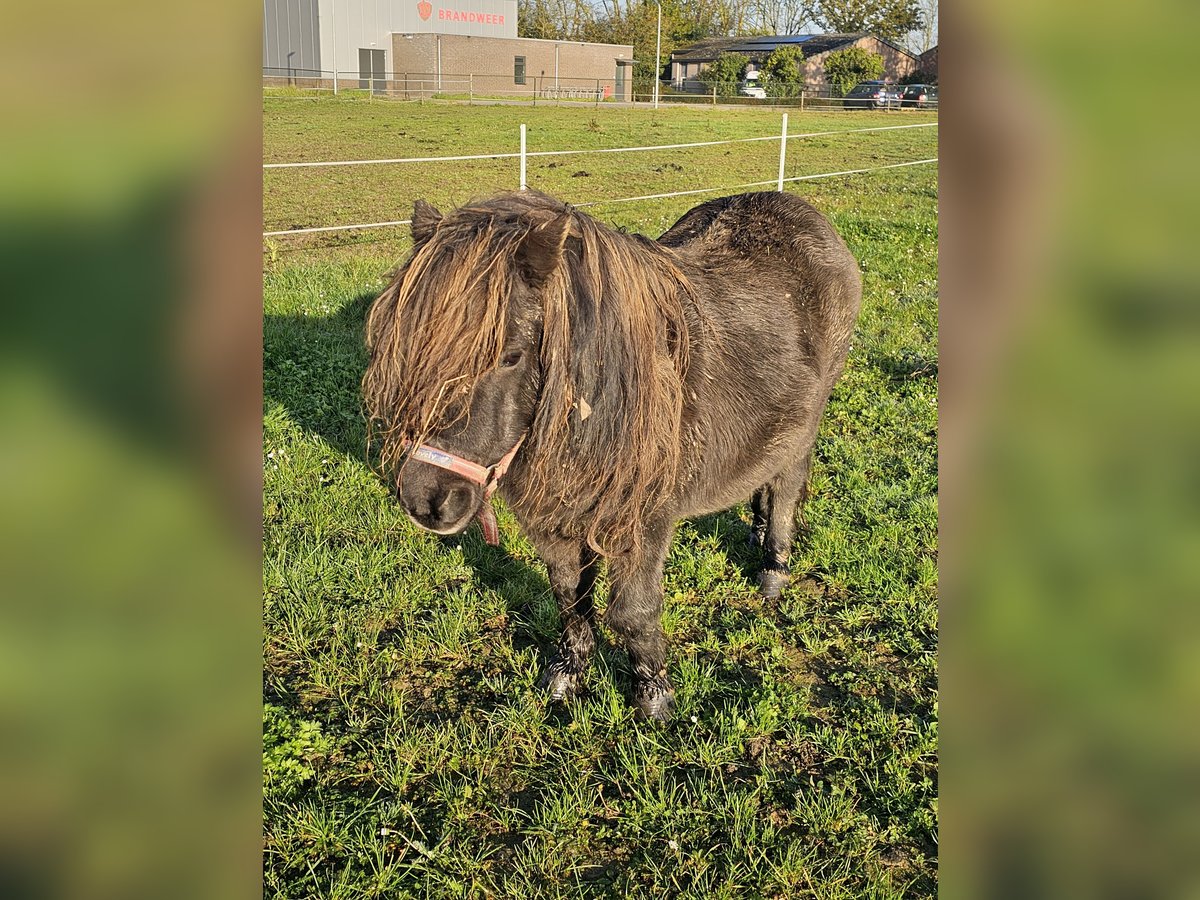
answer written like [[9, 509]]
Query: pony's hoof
[[655, 700], [771, 582], [560, 685]]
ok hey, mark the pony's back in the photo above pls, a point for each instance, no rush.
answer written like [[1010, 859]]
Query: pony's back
[[754, 252]]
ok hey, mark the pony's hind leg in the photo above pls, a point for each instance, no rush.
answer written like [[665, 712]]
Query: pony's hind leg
[[785, 493], [572, 572], [635, 614], [759, 504]]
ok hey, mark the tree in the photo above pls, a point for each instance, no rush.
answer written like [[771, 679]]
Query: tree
[[636, 23], [926, 34], [557, 20], [889, 19], [725, 72], [846, 68], [781, 72], [537, 19], [780, 16]]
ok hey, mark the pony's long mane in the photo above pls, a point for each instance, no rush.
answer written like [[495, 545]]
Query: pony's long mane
[[604, 447]]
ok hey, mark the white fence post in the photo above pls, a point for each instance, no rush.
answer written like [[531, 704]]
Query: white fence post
[[523, 158], [782, 151], [333, 35]]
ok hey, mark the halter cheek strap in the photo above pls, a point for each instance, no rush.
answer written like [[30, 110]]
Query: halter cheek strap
[[487, 476]]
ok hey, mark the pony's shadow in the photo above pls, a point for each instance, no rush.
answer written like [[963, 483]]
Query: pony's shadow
[[731, 534], [312, 369], [905, 365], [313, 366]]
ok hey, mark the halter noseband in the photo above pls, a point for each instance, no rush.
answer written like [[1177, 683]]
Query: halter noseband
[[487, 476]]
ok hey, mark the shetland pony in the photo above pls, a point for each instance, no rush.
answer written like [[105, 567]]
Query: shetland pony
[[609, 385]]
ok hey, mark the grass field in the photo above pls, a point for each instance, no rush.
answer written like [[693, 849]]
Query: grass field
[[406, 750]]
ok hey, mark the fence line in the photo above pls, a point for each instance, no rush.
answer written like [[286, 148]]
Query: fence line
[[711, 190], [427, 159], [501, 86], [769, 137], [377, 162], [830, 105], [336, 228], [731, 187]]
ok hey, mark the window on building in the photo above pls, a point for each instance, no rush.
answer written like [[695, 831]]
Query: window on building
[[518, 70]]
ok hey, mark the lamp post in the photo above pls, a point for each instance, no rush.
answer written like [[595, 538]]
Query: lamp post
[[657, 53]]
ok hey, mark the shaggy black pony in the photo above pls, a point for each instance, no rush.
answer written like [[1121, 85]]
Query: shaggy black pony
[[621, 383]]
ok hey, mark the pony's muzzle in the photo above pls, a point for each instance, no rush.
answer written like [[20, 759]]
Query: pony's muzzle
[[442, 505]]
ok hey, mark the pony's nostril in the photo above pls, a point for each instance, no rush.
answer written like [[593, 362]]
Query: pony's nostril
[[418, 505], [451, 504]]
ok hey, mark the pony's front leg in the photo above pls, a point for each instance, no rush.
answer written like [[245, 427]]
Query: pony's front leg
[[635, 613], [572, 572]]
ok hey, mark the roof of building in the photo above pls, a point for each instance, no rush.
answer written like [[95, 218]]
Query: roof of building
[[758, 48]]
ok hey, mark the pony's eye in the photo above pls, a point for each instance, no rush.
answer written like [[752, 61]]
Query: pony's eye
[[508, 360]]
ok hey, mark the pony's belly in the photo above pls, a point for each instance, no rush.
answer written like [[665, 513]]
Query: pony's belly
[[718, 487], [709, 503]]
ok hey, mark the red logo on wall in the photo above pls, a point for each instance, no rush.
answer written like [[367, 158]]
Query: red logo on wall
[[424, 9]]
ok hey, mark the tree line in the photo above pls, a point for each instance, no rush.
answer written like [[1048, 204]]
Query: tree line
[[684, 22], [779, 75]]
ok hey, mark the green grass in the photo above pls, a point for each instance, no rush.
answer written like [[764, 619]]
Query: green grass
[[407, 752], [324, 130]]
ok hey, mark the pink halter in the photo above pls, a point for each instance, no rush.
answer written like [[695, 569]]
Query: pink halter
[[488, 476]]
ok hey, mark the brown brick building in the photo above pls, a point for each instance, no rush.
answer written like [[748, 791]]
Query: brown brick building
[[688, 63], [523, 67], [927, 63]]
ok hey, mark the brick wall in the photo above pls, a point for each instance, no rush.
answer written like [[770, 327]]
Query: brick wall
[[489, 63], [896, 63], [927, 63]]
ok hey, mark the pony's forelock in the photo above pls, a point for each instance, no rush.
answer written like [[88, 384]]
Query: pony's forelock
[[433, 333], [614, 343]]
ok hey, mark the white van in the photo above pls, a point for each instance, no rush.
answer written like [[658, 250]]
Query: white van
[[751, 88]]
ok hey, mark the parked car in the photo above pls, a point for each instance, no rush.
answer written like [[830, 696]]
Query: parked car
[[920, 96], [872, 95]]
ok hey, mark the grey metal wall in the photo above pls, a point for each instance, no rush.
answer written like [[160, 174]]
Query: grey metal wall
[[369, 24], [486, 18], [291, 38], [322, 34], [331, 32]]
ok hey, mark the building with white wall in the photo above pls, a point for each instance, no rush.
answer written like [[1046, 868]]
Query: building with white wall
[[397, 46]]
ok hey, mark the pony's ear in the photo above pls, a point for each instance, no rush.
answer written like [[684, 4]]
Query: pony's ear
[[541, 249], [425, 219]]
